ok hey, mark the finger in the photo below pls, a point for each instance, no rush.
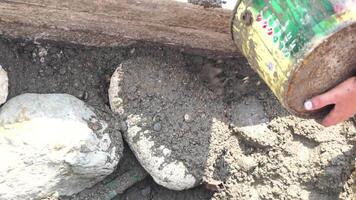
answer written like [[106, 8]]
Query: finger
[[332, 96], [321, 101], [334, 117]]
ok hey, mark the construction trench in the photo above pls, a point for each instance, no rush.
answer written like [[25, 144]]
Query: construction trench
[[196, 121]]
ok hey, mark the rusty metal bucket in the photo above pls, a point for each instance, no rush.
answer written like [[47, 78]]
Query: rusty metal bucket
[[300, 48]]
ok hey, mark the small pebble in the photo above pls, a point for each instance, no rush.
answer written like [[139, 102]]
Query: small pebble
[[85, 95], [34, 55], [41, 72], [76, 84], [62, 71], [157, 126], [123, 126], [246, 79], [42, 52], [187, 118], [133, 51], [157, 118]]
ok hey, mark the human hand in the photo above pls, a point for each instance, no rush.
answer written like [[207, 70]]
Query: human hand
[[342, 96]]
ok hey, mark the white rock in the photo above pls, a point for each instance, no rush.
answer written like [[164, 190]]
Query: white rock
[[246, 163], [53, 143], [153, 146], [4, 84], [173, 175]]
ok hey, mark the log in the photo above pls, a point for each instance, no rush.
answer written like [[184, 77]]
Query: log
[[113, 23]]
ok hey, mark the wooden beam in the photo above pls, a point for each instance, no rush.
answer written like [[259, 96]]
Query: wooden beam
[[120, 23]]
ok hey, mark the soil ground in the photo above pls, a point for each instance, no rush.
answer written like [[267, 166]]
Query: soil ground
[[47, 67]]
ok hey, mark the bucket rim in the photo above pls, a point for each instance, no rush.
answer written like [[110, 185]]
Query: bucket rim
[[233, 19]]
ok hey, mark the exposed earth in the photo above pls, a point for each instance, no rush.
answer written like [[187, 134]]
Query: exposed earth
[[241, 144]]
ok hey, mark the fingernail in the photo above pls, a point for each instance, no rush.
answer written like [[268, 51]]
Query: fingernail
[[308, 105]]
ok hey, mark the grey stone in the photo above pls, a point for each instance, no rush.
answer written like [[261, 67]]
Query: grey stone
[[54, 143]]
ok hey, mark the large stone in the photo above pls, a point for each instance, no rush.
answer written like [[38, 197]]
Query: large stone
[[4, 84], [54, 143], [169, 129]]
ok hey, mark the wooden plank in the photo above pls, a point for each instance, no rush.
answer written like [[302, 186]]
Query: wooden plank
[[120, 23]]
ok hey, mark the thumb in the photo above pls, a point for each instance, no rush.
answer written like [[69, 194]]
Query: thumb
[[321, 101]]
